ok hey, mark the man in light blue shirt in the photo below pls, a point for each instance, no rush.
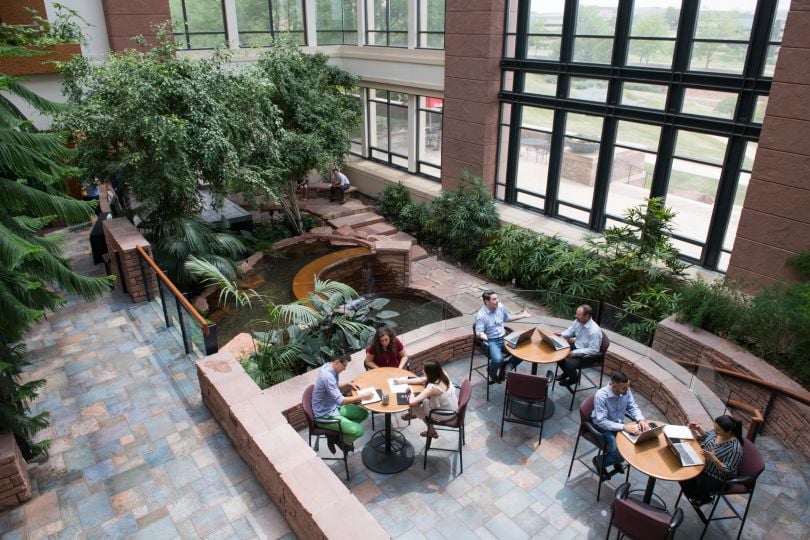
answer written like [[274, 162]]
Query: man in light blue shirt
[[340, 183], [588, 340], [610, 404], [329, 403], [489, 327]]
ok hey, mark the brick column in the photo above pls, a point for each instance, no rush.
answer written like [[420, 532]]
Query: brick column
[[14, 485], [775, 221], [122, 238], [129, 18], [473, 42]]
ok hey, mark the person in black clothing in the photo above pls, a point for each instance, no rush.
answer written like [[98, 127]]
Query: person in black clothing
[[722, 452]]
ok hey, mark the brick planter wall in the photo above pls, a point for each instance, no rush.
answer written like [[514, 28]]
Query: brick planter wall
[[787, 419], [122, 237], [14, 485]]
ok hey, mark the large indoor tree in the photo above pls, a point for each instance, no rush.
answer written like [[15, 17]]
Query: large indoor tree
[[168, 126], [318, 112], [32, 268]]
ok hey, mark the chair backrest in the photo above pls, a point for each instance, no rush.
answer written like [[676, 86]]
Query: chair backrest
[[586, 410], [752, 464], [526, 387], [639, 520], [603, 347], [306, 404], [463, 399]]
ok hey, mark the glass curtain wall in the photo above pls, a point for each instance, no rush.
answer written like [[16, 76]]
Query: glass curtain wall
[[430, 23], [336, 22], [387, 23], [262, 21], [198, 24], [606, 103], [429, 144]]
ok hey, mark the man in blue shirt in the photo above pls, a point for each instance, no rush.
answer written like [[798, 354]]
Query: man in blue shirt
[[610, 404], [588, 341], [340, 183], [489, 327], [329, 403]]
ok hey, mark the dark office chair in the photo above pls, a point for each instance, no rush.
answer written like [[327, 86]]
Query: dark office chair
[[587, 361], [447, 420], [317, 431], [592, 434], [483, 369], [635, 519], [525, 390], [751, 466]]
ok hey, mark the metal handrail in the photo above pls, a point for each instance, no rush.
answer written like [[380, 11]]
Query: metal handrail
[[174, 290]]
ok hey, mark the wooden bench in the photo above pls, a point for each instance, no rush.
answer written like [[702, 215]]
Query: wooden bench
[[324, 186]]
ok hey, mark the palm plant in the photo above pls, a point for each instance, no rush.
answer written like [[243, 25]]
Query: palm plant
[[32, 268], [209, 274]]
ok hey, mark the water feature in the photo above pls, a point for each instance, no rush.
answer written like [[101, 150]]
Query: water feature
[[275, 275]]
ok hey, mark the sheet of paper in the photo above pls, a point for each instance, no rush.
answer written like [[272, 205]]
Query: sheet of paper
[[373, 399], [396, 388], [678, 432]]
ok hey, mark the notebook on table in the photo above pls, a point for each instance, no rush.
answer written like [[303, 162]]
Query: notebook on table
[[556, 342], [375, 397], [651, 433], [516, 338], [684, 452], [403, 398]]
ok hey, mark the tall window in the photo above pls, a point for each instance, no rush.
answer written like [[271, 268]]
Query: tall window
[[431, 24], [611, 103], [429, 145], [198, 24], [262, 21], [387, 115], [387, 23], [336, 22]]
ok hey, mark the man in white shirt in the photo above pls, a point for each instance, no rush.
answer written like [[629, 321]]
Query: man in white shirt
[[588, 342], [340, 183]]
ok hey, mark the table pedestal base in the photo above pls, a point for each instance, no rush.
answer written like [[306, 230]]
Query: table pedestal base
[[533, 411], [388, 457]]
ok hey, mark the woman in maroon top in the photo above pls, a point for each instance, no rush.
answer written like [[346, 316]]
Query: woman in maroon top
[[385, 350]]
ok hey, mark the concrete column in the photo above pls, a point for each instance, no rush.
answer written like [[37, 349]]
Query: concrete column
[[231, 24], [473, 43], [775, 222], [311, 10], [412, 26], [413, 108]]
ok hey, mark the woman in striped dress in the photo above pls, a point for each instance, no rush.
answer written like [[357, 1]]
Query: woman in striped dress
[[722, 451]]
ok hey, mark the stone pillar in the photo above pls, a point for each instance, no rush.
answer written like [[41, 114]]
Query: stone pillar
[[473, 43], [775, 221], [392, 264], [122, 238], [126, 19], [14, 485]]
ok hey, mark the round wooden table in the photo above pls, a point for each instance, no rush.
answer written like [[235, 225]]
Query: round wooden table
[[656, 460], [536, 352], [388, 451]]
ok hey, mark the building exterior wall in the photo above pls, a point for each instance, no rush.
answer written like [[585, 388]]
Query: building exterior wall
[[126, 19], [775, 221]]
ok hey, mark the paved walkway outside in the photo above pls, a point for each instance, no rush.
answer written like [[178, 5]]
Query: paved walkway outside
[[136, 453]]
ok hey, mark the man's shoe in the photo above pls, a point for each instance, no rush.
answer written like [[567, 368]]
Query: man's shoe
[[501, 373], [604, 475], [568, 382], [346, 447], [330, 444], [618, 468]]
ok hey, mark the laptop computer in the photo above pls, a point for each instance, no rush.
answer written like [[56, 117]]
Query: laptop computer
[[556, 342], [651, 433], [517, 337], [684, 452]]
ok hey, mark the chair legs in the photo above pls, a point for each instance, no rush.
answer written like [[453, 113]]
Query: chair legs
[[708, 519], [600, 456], [461, 442]]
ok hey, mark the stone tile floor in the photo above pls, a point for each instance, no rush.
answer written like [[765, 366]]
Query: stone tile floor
[[135, 453], [513, 488]]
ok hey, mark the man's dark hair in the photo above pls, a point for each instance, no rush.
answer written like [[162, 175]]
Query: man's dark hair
[[343, 356], [487, 294], [587, 310], [618, 377]]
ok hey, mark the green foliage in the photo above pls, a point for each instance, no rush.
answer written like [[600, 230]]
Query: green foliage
[[268, 233], [64, 28], [276, 356], [34, 275], [801, 264], [391, 202], [461, 222], [209, 274], [710, 306]]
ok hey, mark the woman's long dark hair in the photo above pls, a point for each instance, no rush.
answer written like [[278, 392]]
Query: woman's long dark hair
[[384, 331], [730, 424], [434, 373]]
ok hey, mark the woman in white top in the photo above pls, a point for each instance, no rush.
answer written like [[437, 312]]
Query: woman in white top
[[438, 394]]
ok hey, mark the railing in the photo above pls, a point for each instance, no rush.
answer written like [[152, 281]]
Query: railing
[[197, 333]]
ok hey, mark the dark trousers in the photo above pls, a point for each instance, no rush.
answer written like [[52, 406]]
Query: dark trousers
[[334, 190], [570, 365], [701, 486]]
